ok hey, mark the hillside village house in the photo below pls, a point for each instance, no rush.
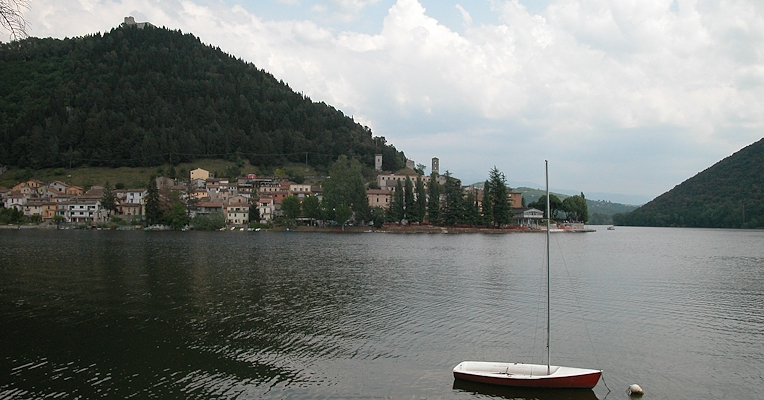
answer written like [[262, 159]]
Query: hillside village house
[[58, 187], [82, 211], [378, 197], [15, 200], [237, 213], [266, 206], [75, 191], [525, 216], [207, 208], [199, 174]]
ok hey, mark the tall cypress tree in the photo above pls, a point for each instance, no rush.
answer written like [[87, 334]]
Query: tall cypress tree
[[487, 204], [421, 199], [453, 206], [153, 213], [433, 201], [410, 207], [499, 192]]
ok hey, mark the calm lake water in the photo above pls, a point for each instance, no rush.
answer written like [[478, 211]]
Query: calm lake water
[[90, 314]]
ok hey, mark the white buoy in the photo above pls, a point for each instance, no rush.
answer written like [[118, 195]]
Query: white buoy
[[635, 390]]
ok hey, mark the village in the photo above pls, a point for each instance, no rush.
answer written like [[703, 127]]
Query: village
[[249, 199]]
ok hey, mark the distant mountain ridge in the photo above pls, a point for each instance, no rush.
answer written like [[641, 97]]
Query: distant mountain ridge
[[729, 194], [144, 97]]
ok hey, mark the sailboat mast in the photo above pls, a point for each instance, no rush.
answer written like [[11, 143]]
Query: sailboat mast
[[548, 317]]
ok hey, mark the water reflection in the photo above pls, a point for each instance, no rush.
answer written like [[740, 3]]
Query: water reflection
[[230, 315], [523, 393]]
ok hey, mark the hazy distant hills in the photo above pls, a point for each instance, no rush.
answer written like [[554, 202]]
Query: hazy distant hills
[[146, 97], [730, 194]]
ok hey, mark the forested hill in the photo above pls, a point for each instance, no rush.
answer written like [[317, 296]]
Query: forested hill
[[144, 97], [730, 194]]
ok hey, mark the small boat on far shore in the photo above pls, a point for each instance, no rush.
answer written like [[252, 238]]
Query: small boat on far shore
[[611, 228]]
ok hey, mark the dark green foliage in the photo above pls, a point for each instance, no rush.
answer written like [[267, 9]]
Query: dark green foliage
[[555, 205], [433, 199], [108, 201], [345, 186], [11, 216], [575, 208], [153, 213], [209, 222], [497, 185], [145, 97], [379, 217], [421, 199], [452, 207], [311, 207], [487, 216], [176, 217], [730, 194], [411, 211], [291, 208], [397, 209], [471, 209]]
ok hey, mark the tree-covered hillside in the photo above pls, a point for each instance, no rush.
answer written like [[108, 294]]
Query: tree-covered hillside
[[144, 97], [730, 194]]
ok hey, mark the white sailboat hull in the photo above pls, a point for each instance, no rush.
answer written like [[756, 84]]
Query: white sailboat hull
[[527, 375]]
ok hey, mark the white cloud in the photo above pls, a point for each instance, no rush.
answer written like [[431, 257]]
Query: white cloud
[[626, 96]]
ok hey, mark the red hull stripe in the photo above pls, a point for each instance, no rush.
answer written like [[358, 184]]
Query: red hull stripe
[[587, 381]]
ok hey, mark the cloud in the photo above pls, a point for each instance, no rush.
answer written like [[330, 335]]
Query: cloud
[[626, 96]]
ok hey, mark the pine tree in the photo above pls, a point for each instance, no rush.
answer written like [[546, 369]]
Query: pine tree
[[453, 205], [433, 201], [153, 213], [410, 205], [499, 194], [421, 199], [487, 204]]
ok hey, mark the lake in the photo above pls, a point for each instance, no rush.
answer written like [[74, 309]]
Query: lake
[[123, 314]]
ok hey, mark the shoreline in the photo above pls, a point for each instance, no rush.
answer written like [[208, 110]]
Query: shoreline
[[409, 229]]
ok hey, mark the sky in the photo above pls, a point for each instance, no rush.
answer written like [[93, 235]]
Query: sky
[[625, 98]]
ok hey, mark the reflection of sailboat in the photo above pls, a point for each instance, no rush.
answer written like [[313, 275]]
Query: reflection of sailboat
[[530, 375], [509, 392]]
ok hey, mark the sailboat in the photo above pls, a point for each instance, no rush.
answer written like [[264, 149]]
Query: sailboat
[[530, 375]]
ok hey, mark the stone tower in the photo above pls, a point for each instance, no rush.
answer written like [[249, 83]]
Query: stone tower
[[435, 165], [378, 162]]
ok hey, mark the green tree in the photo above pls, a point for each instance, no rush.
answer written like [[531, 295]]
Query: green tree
[[311, 206], [379, 217], [575, 208], [433, 200], [471, 209], [290, 206], [554, 204], [177, 217], [397, 209], [108, 201], [209, 222], [453, 204], [421, 199], [342, 214], [345, 186], [410, 210], [499, 197], [153, 212], [363, 211], [487, 216]]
